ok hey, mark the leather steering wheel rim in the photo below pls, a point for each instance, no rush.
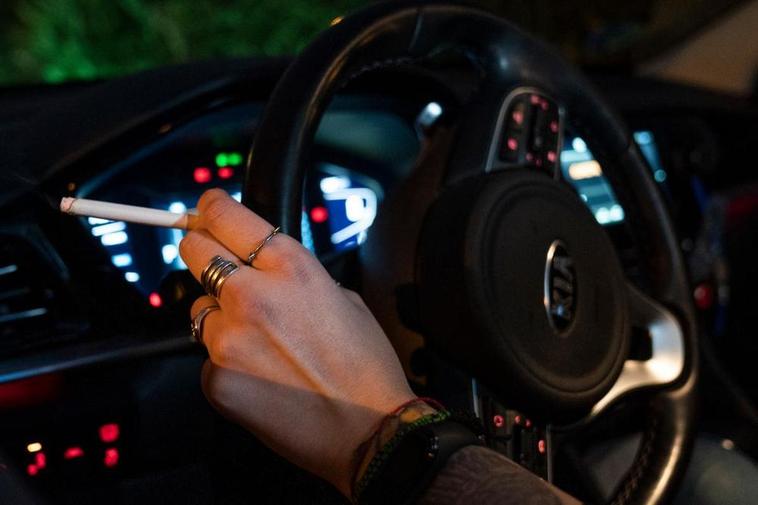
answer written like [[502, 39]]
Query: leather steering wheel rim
[[386, 34]]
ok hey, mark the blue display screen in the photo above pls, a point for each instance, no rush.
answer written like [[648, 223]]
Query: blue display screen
[[580, 168]]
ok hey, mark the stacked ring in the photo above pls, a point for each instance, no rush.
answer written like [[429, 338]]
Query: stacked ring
[[214, 275], [254, 254]]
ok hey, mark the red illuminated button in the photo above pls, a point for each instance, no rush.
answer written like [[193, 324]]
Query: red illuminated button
[[541, 446], [109, 432], [517, 420], [32, 470], [498, 421], [40, 460], [155, 300], [551, 156], [319, 214], [512, 144], [73, 453], [528, 423], [202, 175], [226, 172], [111, 457]]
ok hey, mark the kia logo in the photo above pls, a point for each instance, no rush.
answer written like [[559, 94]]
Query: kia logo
[[560, 287]]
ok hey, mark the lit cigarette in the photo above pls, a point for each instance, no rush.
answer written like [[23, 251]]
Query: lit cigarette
[[128, 213]]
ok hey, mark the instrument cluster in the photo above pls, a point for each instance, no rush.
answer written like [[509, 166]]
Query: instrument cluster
[[340, 203]]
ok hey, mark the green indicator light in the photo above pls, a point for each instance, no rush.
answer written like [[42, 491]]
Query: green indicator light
[[222, 159], [234, 159]]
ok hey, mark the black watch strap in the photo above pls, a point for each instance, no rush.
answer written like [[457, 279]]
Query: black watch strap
[[414, 463]]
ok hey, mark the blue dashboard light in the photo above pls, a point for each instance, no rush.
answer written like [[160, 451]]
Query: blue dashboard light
[[359, 206], [116, 238], [579, 145], [643, 137], [131, 276], [122, 260], [105, 229], [307, 233], [177, 207], [169, 252], [334, 183]]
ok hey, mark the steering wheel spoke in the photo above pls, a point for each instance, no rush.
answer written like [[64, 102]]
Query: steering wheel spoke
[[658, 349]]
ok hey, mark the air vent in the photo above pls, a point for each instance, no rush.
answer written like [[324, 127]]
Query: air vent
[[33, 307]]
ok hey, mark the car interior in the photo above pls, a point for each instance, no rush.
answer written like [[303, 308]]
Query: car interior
[[380, 146]]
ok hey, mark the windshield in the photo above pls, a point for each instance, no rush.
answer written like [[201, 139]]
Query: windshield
[[52, 41]]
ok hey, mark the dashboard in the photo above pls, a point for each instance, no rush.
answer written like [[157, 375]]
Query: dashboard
[[341, 200]]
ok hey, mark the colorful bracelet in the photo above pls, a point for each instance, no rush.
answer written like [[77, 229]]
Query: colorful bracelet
[[362, 479]]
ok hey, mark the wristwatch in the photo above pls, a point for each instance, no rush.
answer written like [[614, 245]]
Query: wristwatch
[[414, 462]]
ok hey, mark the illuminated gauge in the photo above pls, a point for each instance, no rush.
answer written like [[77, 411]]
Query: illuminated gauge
[[347, 208]]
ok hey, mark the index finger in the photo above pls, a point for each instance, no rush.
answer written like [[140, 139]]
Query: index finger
[[234, 225]]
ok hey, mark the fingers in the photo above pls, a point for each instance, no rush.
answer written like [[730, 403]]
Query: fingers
[[198, 248], [237, 227]]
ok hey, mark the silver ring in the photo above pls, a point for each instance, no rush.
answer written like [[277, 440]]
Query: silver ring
[[214, 275], [197, 323], [254, 254]]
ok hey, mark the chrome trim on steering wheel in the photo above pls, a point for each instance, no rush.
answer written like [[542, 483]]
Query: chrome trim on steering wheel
[[667, 341]]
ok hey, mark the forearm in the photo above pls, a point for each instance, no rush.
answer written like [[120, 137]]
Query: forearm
[[476, 475]]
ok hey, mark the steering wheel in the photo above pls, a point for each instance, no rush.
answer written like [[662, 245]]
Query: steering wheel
[[511, 276]]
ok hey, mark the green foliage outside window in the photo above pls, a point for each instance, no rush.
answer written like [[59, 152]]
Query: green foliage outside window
[[61, 40]]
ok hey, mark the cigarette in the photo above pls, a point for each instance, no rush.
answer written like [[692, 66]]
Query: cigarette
[[128, 213]]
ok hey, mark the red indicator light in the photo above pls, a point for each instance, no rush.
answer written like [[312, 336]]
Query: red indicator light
[[535, 99], [202, 175], [529, 157], [544, 104], [73, 453], [512, 144], [32, 470], [319, 214], [226, 172], [111, 457], [554, 126], [40, 460], [109, 432], [518, 117], [551, 156], [541, 447], [498, 421], [155, 300], [517, 420], [703, 296], [528, 423]]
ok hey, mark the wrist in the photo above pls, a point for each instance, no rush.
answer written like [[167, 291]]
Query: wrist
[[405, 417]]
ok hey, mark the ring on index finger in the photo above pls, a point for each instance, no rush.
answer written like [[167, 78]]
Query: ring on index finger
[[255, 252]]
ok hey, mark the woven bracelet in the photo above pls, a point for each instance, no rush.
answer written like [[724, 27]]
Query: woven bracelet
[[380, 458]]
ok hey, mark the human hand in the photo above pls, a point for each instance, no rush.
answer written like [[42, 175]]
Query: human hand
[[294, 358]]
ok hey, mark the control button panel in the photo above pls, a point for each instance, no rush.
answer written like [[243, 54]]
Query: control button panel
[[530, 134], [516, 436]]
